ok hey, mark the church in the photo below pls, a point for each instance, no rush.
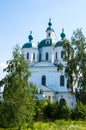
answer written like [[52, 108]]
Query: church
[[43, 61]]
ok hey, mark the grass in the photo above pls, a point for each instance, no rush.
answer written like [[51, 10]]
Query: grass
[[61, 125], [57, 125]]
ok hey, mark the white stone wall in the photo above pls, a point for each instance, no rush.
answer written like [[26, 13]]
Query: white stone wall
[[58, 50], [50, 51], [69, 98], [52, 76], [31, 51]]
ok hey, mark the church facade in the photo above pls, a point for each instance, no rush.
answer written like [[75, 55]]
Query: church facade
[[43, 61]]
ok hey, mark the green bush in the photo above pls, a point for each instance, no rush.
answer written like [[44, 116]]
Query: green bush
[[80, 112], [64, 112], [39, 110], [50, 111]]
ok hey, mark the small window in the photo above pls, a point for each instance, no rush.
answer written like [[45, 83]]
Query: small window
[[46, 55], [39, 57], [61, 80], [61, 54], [27, 55], [49, 34], [56, 55], [47, 42], [71, 103], [33, 56], [43, 80]]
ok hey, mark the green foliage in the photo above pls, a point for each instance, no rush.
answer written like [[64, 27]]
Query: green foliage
[[47, 111], [59, 67], [50, 111], [79, 45], [80, 112], [39, 109], [70, 68], [75, 57], [18, 105], [64, 112], [57, 125], [61, 125]]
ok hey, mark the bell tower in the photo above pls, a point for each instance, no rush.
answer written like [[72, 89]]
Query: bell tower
[[50, 33]]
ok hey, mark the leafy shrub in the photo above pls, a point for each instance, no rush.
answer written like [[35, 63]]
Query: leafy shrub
[[50, 111], [64, 112], [80, 112]]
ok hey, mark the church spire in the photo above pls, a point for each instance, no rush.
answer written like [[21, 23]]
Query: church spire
[[30, 37], [50, 26], [50, 32]]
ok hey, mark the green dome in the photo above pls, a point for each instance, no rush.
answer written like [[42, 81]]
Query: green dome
[[30, 37], [45, 42], [62, 34], [59, 43], [49, 29], [27, 45]]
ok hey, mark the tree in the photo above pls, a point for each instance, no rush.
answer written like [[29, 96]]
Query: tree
[[79, 45], [70, 67], [75, 58], [18, 104], [80, 112], [70, 63]]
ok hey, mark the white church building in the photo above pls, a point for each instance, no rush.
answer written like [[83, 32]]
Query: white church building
[[43, 61]]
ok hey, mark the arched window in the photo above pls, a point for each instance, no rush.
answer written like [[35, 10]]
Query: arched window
[[62, 102], [62, 80], [56, 55], [61, 54], [47, 56], [33, 56], [27, 55], [49, 34], [39, 57], [43, 80]]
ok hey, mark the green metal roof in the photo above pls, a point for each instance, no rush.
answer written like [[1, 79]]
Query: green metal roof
[[45, 42], [27, 45], [59, 43]]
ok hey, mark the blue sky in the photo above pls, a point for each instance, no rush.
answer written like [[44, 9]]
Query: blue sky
[[18, 17]]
